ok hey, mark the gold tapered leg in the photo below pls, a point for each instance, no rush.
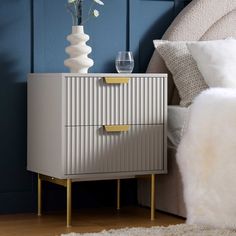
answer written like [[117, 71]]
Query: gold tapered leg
[[153, 185], [68, 205], [118, 194], [39, 196]]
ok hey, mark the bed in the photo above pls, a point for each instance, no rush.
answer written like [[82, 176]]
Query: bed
[[200, 20]]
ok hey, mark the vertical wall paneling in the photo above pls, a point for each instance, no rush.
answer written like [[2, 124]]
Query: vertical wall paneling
[[128, 26], [107, 33], [153, 18], [52, 23], [148, 21], [16, 193], [122, 25], [32, 36]]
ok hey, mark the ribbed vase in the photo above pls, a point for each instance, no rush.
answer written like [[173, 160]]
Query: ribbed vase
[[79, 62]]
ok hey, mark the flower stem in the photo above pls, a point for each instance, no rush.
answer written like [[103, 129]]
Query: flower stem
[[80, 6], [70, 10], [75, 8], [90, 9], [89, 13]]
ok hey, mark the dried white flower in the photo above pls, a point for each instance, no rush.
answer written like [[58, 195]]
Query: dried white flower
[[96, 13], [99, 2], [75, 8]]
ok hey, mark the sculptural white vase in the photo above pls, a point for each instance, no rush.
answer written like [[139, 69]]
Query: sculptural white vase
[[79, 62]]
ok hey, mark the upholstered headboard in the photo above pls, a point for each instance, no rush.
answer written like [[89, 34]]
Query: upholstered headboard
[[200, 20]]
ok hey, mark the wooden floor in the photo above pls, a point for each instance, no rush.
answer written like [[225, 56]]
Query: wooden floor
[[87, 220]]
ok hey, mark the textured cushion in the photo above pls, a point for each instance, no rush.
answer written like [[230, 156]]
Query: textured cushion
[[217, 61], [186, 76], [157, 65], [189, 25]]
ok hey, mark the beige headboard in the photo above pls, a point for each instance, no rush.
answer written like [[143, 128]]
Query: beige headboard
[[200, 20]]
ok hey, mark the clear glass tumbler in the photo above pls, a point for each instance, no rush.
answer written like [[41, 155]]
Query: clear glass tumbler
[[125, 62]]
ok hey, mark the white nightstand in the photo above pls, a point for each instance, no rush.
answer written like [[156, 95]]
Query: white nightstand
[[96, 126]]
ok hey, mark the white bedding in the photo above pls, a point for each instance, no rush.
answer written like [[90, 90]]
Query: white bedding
[[177, 118]]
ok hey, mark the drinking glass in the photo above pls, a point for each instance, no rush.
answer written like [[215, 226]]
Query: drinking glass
[[125, 62]]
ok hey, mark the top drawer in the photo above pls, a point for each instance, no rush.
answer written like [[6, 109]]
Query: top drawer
[[94, 101]]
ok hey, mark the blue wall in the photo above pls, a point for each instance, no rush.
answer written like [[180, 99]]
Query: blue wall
[[16, 193], [32, 39]]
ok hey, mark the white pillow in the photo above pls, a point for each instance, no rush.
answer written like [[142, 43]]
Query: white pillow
[[216, 61]]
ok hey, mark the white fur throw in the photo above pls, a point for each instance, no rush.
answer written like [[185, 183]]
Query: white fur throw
[[207, 159]]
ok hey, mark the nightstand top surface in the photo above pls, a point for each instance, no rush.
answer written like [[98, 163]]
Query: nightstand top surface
[[53, 75]]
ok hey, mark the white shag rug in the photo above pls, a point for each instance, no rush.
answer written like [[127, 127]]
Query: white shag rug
[[174, 230]]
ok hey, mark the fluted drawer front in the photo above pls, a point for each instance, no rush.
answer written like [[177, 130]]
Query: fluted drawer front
[[93, 149], [90, 101]]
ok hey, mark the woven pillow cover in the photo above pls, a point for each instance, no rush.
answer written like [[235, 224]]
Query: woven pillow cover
[[186, 75]]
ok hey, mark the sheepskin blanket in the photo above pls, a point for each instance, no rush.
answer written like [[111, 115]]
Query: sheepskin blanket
[[207, 159]]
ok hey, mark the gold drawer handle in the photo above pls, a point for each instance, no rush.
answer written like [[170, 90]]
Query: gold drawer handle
[[116, 80], [116, 128]]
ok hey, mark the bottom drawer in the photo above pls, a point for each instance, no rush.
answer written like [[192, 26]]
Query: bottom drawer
[[91, 149]]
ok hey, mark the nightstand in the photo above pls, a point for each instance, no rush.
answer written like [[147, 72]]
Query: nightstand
[[95, 127]]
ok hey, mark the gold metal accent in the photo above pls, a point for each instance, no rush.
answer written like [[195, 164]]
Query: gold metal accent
[[118, 194], [68, 184], [116, 80], [39, 196], [63, 182], [68, 203], [116, 128], [53, 180], [153, 197]]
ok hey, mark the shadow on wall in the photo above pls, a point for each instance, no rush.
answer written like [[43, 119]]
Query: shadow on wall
[[155, 31], [15, 181]]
